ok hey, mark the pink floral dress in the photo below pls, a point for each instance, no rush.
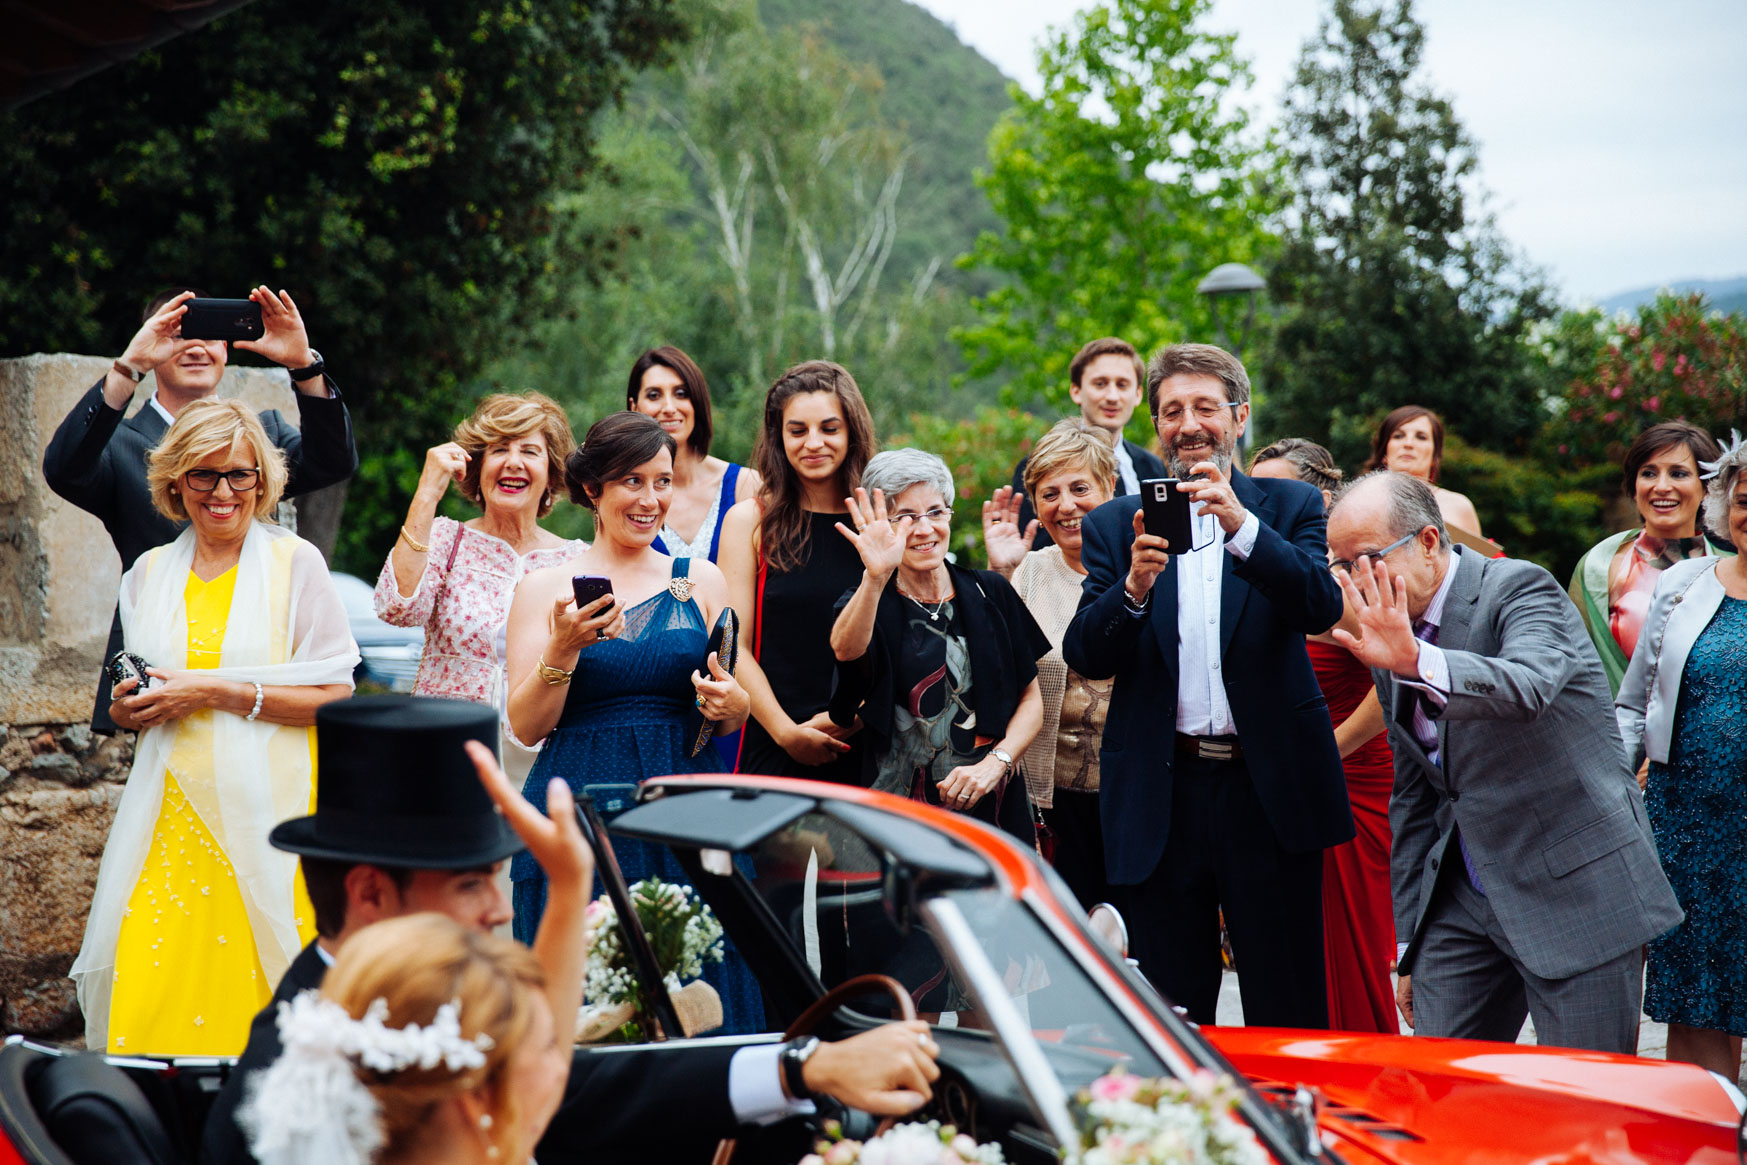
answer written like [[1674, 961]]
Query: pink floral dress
[[463, 603]]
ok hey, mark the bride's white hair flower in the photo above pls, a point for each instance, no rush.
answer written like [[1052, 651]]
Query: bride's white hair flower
[[311, 1106]]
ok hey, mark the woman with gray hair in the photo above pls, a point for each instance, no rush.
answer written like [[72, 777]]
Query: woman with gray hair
[[939, 662], [1683, 704]]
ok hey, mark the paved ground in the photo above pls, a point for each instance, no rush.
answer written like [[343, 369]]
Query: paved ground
[[1652, 1036]]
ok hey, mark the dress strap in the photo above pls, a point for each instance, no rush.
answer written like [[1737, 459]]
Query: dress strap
[[682, 567], [724, 502]]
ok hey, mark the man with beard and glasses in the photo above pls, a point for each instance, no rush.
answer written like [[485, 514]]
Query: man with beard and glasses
[[1232, 806]]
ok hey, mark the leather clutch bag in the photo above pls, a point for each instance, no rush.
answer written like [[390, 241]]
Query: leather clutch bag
[[725, 642]]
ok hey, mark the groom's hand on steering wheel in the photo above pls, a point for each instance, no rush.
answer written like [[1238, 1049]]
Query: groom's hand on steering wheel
[[886, 1071]]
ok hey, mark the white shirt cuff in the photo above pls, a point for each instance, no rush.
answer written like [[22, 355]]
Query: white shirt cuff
[[755, 1090], [1434, 674], [1400, 949], [1244, 541]]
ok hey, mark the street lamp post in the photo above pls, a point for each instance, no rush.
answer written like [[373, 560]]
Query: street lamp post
[[1225, 280], [1229, 279]]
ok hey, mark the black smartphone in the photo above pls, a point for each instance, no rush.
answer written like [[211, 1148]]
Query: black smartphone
[[222, 319], [590, 587], [1166, 512]]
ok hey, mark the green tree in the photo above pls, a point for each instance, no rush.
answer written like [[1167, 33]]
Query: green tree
[[393, 164], [1119, 186], [1673, 360], [770, 197], [1396, 290]]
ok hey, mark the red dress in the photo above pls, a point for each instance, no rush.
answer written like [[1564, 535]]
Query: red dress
[[1358, 925]]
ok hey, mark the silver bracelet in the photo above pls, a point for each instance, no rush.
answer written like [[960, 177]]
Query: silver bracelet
[[256, 710]]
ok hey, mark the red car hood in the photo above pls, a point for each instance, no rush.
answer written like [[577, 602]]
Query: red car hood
[[1428, 1100]]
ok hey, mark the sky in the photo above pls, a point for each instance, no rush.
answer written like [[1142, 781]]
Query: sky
[[1612, 134]]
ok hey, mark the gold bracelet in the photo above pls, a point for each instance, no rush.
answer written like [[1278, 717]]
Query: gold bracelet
[[413, 542], [554, 676]]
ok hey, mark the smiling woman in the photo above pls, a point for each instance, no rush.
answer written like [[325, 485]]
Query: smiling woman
[[456, 579], [246, 637]]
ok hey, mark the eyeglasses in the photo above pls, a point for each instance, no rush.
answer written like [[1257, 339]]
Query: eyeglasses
[[1204, 411], [1345, 565], [206, 480], [939, 515]]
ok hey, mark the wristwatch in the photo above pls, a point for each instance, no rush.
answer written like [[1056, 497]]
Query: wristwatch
[[795, 1055], [310, 371], [1005, 757], [128, 371]]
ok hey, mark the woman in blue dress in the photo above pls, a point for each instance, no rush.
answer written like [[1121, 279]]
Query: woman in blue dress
[[666, 384], [1683, 704], [607, 687]]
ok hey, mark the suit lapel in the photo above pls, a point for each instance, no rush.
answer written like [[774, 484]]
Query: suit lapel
[[1164, 616], [1234, 592], [148, 423]]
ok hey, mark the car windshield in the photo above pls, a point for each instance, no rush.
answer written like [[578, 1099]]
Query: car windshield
[[827, 888]]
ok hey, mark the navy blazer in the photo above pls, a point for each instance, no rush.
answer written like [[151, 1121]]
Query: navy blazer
[[1267, 604]]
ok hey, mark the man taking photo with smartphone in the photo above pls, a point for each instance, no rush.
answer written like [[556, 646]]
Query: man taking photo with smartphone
[[97, 458]]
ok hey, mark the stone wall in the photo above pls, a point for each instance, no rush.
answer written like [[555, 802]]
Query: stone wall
[[59, 782]]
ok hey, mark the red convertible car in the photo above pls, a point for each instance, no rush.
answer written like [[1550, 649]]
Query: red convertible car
[[819, 885]]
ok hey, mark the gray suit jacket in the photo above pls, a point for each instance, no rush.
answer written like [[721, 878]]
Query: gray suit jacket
[[1534, 775]]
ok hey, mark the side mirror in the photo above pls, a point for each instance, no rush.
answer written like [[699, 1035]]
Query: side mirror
[[1105, 921]]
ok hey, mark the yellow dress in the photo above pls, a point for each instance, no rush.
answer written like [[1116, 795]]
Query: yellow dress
[[188, 980]]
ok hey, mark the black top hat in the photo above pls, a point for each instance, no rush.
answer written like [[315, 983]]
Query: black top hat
[[396, 788]]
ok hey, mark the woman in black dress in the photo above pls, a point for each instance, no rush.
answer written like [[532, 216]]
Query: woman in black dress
[[787, 568], [940, 663]]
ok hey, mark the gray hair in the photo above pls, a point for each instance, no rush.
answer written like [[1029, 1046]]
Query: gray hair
[[896, 470], [1197, 360], [1412, 504], [1726, 472]]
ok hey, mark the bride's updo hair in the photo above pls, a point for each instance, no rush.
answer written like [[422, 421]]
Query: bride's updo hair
[[417, 964], [616, 444]]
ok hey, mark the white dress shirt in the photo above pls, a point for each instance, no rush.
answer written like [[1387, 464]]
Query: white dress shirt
[[1202, 709], [1125, 469]]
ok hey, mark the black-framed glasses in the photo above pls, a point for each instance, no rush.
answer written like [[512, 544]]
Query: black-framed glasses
[[206, 480], [938, 515], [1345, 565]]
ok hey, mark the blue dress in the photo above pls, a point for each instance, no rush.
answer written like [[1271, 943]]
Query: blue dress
[[1697, 803], [624, 721], [708, 544]]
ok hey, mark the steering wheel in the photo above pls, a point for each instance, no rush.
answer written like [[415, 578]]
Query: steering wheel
[[827, 1004]]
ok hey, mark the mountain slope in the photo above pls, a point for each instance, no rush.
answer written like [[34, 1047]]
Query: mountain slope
[[942, 92], [1725, 295]]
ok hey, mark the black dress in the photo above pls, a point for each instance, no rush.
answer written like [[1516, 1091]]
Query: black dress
[[793, 645], [936, 689]]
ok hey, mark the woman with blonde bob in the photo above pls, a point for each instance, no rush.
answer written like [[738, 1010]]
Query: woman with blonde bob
[[457, 579], [242, 636], [1071, 472], [428, 1042]]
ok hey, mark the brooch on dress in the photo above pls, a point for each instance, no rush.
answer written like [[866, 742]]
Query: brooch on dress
[[680, 587]]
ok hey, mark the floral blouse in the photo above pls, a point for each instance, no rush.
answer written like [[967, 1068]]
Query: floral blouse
[[463, 603]]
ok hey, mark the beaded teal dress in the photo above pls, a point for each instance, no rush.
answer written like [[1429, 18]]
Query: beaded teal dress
[[1697, 804], [624, 721]]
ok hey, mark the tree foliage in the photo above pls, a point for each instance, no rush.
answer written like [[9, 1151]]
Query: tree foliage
[[1673, 360], [392, 164], [1119, 186], [1395, 288], [768, 197]]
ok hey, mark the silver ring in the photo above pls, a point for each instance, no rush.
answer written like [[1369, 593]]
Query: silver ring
[[922, 1039]]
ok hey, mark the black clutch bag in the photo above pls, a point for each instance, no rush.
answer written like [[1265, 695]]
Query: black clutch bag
[[725, 642]]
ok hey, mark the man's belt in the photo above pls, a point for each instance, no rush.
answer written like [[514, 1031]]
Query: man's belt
[[1210, 747]]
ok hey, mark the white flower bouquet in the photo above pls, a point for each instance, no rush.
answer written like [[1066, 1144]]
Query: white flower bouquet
[[683, 933], [906, 1144], [1132, 1120]]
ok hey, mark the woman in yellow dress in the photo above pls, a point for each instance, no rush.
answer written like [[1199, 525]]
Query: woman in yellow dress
[[195, 917]]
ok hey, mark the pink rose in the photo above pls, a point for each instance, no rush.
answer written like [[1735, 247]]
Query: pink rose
[[843, 1153], [1651, 404], [1117, 1086], [1615, 392], [1611, 416], [1564, 449], [1680, 366], [1657, 359]]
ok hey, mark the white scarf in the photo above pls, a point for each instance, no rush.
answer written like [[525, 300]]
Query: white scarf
[[286, 627]]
